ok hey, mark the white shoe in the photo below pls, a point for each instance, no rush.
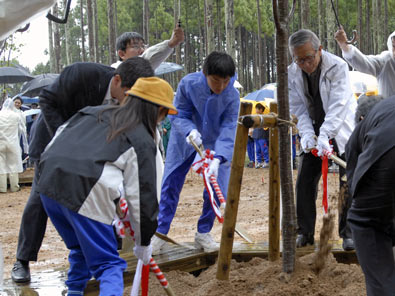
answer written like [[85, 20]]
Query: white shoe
[[157, 245], [206, 242]]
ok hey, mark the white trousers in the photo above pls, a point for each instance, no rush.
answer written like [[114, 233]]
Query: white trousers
[[14, 182]]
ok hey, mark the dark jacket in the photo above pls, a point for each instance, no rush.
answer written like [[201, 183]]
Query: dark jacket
[[79, 85], [371, 139], [85, 173]]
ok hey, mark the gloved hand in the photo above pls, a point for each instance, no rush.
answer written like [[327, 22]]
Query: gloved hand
[[144, 253], [323, 145], [213, 168], [196, 137], [308, 142]]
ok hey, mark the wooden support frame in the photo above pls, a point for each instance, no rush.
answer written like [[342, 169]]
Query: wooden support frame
[[232, 203], [274, 191]]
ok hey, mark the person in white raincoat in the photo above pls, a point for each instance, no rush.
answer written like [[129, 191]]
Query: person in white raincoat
[[320, 96], [382, 66], [12, 127]]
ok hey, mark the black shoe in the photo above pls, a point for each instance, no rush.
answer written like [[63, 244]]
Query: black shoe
[[20, 272], [348, 244], [304, 239]]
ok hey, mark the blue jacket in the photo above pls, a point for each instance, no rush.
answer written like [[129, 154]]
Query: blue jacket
[[214, 116]]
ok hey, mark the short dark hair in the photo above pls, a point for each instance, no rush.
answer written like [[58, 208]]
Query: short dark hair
[[132, 69], [260, 106], [124, 40], [219, 63], [365, 104], [18, 98]]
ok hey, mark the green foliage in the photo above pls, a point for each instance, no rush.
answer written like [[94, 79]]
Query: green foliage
[[41, 68]]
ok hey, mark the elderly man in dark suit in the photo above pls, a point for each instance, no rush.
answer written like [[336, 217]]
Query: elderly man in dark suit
[[78, 86]]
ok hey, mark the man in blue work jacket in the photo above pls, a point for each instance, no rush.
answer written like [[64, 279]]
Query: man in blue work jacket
[[208, 106]]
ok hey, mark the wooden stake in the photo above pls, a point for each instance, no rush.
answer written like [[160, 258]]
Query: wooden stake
[[232, 203], [274, 192]]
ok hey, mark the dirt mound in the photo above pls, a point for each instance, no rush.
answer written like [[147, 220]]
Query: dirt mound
[[261, 277]]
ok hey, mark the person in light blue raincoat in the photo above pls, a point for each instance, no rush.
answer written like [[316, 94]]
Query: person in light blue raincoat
[[208, 107]]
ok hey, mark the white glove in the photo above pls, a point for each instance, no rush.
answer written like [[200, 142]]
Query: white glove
[[144, 253], [213, 168], [308, 142], [196, 137], [323, 145]]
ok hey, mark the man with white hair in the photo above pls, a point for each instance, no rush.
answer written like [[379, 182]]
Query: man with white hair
[[320, 96], [382, 66]]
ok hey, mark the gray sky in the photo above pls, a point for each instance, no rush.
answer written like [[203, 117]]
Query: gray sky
[[35, 41]]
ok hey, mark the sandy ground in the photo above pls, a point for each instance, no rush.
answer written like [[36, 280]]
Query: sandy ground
[[256, 277]]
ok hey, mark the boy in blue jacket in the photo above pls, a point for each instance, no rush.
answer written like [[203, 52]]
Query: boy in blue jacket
[[208, 107]]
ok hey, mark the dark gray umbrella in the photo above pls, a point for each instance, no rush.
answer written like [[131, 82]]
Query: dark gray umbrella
[[167, 67], [33, 87], [14, 75]]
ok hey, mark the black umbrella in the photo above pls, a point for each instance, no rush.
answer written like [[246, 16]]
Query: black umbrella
[[14, 75], [33, 87], [166, 67]]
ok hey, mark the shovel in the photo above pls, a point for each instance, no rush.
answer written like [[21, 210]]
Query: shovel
[[241, 232]]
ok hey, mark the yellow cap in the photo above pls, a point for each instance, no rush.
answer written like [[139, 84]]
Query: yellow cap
[[154, 90]]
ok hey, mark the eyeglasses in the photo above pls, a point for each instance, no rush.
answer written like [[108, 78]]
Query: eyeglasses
[[138, 46], [307, 59]]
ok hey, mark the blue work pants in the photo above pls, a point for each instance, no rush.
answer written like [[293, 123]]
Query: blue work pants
[[93, 250]]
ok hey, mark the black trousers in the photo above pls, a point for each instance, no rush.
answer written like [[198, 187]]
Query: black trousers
[[33, 224], [371, 218], [309, 174]]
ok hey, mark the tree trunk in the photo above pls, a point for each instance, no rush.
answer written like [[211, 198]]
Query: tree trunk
[[83, 54], [305, 14], [67, 38], [89, 9], [96, 32], [240, 59], [201, 36], [146, 21], [368, 42], [360, 25], [321, 22], [255, 61], [219, 24], [229, 28], [261, 66], [288, 204], [56, 41], [111, 32], [331, 27], [51, 49], [381, 44], [375, 27], [210, 26], [385, 31], [177, 17], [264, 68]]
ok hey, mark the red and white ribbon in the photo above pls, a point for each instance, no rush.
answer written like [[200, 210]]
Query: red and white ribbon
[[122, 225], [201, 167], [159, 275], [324, 170]]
